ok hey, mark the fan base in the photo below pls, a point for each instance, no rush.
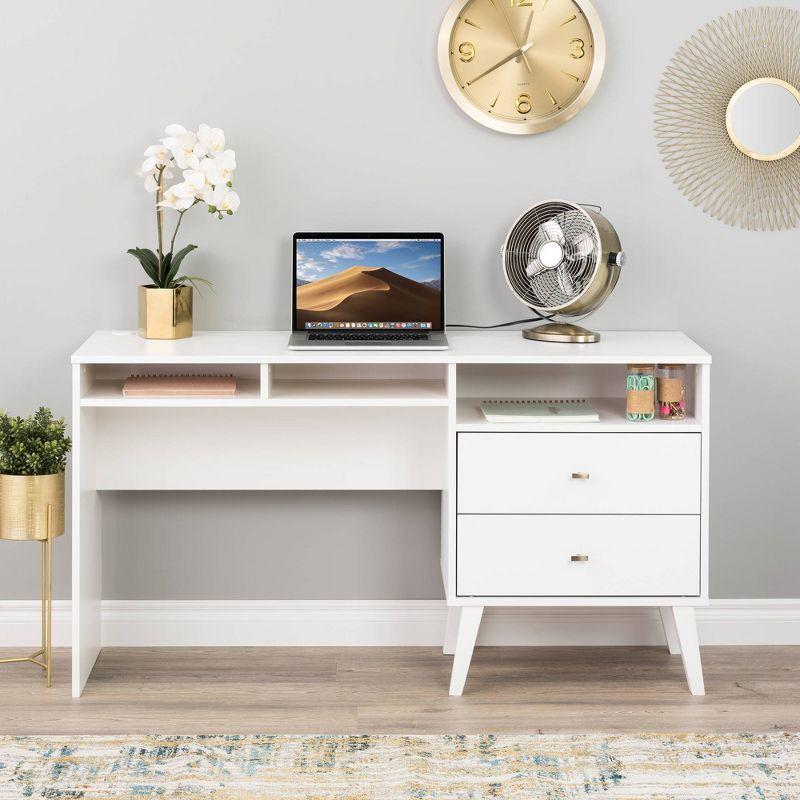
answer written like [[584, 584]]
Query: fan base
[[561, 332]]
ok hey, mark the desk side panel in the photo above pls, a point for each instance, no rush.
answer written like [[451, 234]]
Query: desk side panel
[[449, 494], [86, 540], [703, 412]]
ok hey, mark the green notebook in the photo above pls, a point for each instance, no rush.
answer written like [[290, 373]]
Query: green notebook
[[539, 411]]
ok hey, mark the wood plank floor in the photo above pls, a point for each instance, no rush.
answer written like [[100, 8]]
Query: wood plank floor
[[404, 690]]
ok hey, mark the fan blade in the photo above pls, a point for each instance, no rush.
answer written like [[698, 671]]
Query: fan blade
[[553, 231], [535, 268], [582, 245], [565, 281]]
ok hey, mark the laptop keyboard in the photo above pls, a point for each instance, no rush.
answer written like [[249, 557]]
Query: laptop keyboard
[[368, 337]]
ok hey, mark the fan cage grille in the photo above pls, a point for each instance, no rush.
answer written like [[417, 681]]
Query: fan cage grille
[[541, 286]]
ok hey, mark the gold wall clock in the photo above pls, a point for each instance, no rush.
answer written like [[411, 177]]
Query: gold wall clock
[[521, 66]]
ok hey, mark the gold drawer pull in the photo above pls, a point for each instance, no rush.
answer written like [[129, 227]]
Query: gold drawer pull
[[580, 559], [580, 476]]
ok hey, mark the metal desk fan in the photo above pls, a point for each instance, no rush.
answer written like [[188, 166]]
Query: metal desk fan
[[563, 261]]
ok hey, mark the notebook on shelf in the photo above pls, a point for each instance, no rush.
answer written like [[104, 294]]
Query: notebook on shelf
[[179, 386], [539, 411]]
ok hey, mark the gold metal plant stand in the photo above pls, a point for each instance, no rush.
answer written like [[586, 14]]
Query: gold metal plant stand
[[43, 657], [26, 503]]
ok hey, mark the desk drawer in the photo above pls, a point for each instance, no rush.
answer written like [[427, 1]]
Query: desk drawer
[[579, 473], [615, 556]]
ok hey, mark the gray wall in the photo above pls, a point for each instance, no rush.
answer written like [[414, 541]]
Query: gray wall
[[340, 120]]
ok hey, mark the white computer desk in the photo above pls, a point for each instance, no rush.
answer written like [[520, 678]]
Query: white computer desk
[[338, 420]]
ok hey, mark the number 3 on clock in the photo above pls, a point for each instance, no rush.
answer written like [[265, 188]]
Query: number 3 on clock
[[578, 48]]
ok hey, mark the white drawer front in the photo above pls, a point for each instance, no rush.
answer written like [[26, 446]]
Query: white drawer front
[[531, 556], [579, 473]]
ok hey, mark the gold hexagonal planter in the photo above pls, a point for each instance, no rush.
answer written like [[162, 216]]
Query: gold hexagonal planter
[[165, 313]]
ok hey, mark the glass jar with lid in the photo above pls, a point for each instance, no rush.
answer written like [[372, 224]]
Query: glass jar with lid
[[671, 391], [640, 396]]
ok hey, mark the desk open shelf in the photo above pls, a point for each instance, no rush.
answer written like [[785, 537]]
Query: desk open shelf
[[358, 393], [354, 385], [108, 394], [469, 418], [280, 386]]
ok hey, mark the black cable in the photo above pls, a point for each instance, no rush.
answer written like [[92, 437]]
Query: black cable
[[502, 325]]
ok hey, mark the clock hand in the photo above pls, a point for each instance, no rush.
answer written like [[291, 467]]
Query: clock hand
[[502, 12], [527, 36], [520, 51]]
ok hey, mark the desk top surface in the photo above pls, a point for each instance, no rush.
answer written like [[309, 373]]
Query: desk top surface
[[270, 347]]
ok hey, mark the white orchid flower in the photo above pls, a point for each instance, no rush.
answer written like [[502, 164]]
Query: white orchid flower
[[207, 194], [213, 139], [157, 155], [180, 197], [174, 129], [150, 181], [186, 149], [196, 181], [170, 199], [223, 200], [193, 183], [219, 170]]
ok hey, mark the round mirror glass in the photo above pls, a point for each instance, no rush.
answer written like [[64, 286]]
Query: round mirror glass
[[764, 119]]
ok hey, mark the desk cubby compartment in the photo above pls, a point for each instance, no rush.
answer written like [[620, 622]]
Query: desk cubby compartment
[[101, 385], [603, 385], [356, 384]]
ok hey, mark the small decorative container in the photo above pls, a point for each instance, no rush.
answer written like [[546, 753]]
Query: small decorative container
[[671, 391], [165, 313], [641, 393]]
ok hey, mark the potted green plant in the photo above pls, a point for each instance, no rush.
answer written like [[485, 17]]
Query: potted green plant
[[33, 455], [166, 303]]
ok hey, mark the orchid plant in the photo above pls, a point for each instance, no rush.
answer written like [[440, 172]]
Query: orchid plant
[[207, 171]]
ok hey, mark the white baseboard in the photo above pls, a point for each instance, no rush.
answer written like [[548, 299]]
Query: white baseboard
[[393, 623]]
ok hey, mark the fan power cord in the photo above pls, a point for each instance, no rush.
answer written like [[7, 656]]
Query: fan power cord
[[501, 325]]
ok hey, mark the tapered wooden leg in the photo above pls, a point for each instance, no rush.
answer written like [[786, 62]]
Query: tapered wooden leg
[[468, 624], [451, 630], [686, 627], [670, 631]]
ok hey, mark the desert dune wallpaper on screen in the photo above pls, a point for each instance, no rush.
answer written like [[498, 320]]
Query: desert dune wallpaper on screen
[[375, 281]]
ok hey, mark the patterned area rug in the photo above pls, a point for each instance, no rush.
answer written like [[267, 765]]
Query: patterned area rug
[[740, 767]]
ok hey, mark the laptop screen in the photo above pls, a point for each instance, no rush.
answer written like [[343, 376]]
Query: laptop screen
[[369, 282]]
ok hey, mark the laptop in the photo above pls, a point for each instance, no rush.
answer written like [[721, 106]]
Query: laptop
[[366, 291]]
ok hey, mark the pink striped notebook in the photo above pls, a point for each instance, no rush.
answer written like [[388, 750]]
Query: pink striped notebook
[[180, 386]]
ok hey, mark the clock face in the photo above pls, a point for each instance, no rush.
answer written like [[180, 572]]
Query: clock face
[[521, 66]]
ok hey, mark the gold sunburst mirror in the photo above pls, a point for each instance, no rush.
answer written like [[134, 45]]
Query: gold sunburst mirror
[[728, 129]]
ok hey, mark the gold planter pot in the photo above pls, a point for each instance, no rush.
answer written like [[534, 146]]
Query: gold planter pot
[[32, 510], [24, 500], [165, 313]]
